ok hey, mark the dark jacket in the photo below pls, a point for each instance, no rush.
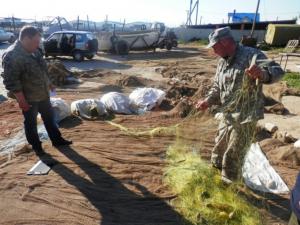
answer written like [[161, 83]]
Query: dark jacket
[[25, 72]]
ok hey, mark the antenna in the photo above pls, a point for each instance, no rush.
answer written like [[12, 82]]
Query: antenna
[[190, 12]]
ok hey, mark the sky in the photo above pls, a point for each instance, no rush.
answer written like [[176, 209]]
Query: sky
[[171, 12]]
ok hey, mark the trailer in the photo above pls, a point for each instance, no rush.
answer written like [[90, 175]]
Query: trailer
[[148, 39]]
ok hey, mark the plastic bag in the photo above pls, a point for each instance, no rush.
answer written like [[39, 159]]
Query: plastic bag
[[61, 109], [147, 98], [259, 174], [117, 103], [88, 108]]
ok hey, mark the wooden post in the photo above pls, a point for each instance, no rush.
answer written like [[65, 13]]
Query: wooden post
[[88, 22], [123, 25], [14, 24], [58, 19], [77, 22]]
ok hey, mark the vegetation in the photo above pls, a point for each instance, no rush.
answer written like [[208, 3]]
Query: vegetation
[[292, 80]]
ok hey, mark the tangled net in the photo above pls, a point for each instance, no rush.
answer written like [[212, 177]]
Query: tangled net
[[241, 112], [202, 198], [157, 131]]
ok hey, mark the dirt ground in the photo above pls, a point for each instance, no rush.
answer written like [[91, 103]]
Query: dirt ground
[[109, 178]]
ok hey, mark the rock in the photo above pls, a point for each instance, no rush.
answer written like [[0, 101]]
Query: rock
[[284, 137], [297, 144], [272, 128]]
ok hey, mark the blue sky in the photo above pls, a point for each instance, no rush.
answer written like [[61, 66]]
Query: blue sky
[[172, 12]]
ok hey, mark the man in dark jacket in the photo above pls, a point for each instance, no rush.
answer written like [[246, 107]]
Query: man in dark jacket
[[25, 77]]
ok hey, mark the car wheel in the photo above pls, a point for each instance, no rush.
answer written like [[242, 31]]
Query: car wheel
[[169, 46], [78, 56], [175, 44], [11, 39], [121, 47], [90, 56]]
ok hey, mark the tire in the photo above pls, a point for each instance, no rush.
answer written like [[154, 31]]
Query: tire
[[121, 47], [90, 56], [78, 56], [175, 43], [11, 40], [169, 46], [162, 45]]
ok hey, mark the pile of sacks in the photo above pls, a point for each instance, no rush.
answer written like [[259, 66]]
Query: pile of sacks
[[138, 102]]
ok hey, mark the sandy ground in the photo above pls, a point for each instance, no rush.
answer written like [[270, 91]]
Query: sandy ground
[[106, 177]]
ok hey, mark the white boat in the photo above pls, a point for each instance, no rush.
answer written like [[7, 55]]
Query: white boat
[[123, 42]]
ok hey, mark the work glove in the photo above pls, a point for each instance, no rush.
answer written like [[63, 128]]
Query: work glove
[[23, 104], [255, 72], [202, 105]]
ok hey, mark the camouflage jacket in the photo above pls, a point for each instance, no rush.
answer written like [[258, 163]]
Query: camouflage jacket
[[25, 72], [230, 73]]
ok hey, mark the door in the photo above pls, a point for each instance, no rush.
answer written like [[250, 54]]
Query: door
[[67, 43], [52, 44], [2, 35]]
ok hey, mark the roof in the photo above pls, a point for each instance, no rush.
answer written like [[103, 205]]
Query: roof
[[247, 26], [73, 32]]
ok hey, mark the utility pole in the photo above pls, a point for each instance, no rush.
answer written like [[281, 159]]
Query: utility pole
[[197, 10], [190, 12], [254, 21]]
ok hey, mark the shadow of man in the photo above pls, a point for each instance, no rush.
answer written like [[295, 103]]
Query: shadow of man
[[116, 204]]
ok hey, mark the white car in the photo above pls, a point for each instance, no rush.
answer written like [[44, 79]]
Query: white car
[[6, 36]]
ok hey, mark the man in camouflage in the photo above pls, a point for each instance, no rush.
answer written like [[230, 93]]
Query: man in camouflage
[[25, 77], [295, 203], [235, 61]]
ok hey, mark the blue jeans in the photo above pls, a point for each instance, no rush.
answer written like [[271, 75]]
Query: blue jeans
[[30, 123]]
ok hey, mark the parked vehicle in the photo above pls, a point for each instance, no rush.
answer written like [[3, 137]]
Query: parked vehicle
[[79, 44], [122, 42], [6, 36]]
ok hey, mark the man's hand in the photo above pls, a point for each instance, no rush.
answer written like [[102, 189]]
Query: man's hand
[[254, 72], [52, 87], [202, 105], [22, 101], [52, 90]]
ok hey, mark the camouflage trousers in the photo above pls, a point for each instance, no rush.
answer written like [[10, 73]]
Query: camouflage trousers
[[293, 220], [227, 154]]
